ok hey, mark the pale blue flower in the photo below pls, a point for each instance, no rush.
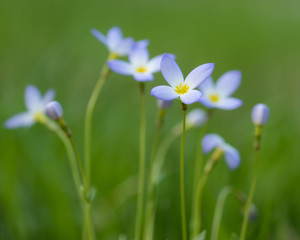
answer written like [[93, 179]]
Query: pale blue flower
[[139, 65], [218, 95], [54, 110], [260, 114], [180, 87], [35, 104], [196, 118], [211, 141], [116, 43]]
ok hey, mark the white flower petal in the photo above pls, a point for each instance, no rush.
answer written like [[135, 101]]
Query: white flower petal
[[114, 37], [120, 67], [164, 93], [207, 86], [124, 47], [20, 120], [206, 102], [228, 103], [191, 96], [33, 99], [232, 156], [154, 64], [228, 82], [199, 74], [139, 56], [211, 141], [143, 77], [170, 70], [49, 96], [99, 36]]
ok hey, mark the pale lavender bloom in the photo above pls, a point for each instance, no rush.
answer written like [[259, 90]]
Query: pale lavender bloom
[[116, 43], [218, 95], [260, 114], [163, 104], [211, 141], [35, 105], [180, 87], [196, 118], [139, 65], [54, 110]]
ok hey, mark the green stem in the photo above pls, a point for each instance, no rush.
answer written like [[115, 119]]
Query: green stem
[[182, 192], [219, 211], [88, 120], [141, 178], [196, 223], [250, 198]]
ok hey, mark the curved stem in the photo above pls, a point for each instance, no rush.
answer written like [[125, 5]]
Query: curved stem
[[219, 211], [88, 120], [250, 198], [141, 179], [182, 192]]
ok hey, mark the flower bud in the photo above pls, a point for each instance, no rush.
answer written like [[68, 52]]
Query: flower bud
[[164, 104], [54, 110], [196, 118], [260, 114]]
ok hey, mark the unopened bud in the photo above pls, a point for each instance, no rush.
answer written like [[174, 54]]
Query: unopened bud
[[54, 110], [196, 118], [260, 114], [164, 104]]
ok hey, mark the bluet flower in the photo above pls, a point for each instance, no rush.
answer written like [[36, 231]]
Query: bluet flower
[[260, 114], [196, 118], [54, 110], [139, 65], [116, 43], [35, 105], [232, 156], [218, 95], [180, 87]]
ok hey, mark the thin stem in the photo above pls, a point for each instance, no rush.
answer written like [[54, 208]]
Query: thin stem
[[219, 211], [250, 198], [141, 179], [88, 120], [182, 192], [196, 223]]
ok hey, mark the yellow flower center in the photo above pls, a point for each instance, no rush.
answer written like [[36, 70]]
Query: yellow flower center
[[39, 117], [113, 56], [182, 89], [214, 97], [141, 69]]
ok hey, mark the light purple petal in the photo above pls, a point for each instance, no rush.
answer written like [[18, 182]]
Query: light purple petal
[[170, 70], [191, 96], [143, 77], [99, 36], [229, 82], [206, 102], [211, 141], [154, 64], [164, 93], [232, 156], [260, 114], [142, 43], [20, 120], [199, 74], [33, 99], [124, 47], [49, 96], [229, 103], [139, 56], [114, 37], [120, 67], [207, 86]]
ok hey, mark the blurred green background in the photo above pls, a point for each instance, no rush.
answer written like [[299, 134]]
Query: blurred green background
[[48, 44]]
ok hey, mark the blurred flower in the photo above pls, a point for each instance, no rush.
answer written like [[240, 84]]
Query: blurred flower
[[116, 44], [196, 118], [164, 104], [179, 87], [211, 141], [54, 110], [35, 105], [260, 114], [218, 95], [139, 65]]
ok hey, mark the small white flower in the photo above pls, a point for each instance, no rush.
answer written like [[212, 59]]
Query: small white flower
[[260, 114], [196, 118], [232, 156], [35, 105]]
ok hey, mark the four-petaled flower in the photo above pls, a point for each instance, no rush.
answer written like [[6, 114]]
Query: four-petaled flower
[[218, 95], [139, 65], [116, 44], [35, 105], [211, 141], [180, 87]]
